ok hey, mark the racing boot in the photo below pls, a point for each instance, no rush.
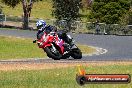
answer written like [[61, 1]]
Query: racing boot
[[66, 46]]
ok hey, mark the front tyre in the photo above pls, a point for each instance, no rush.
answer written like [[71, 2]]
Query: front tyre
[[76, 53], [54, 55]]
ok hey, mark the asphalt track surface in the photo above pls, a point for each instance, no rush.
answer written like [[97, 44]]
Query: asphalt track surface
[[119, 48]]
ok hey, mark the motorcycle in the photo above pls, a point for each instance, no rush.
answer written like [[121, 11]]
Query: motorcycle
[[56, 48]]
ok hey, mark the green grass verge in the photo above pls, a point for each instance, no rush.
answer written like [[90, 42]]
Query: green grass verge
[[17, 48], [41, 9], [59, 78], [20, 48]]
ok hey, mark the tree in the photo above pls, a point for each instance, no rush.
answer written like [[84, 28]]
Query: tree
[[109, 11], [87, 3], [0, 9], [130, 14], [66, 10], [27, 7]]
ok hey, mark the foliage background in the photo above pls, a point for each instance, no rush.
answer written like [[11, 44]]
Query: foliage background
[[110, 11]]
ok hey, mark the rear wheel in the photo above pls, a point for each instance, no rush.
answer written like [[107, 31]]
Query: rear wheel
[[76, 53], [54, 55]]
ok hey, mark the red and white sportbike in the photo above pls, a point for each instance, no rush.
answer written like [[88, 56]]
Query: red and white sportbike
[[57, 48]]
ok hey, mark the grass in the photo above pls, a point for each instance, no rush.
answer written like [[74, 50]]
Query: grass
[[20, 48], [17, 48], [41, 9], [60, 78]]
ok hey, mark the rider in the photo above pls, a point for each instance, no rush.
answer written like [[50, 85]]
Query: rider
[[41, 26]]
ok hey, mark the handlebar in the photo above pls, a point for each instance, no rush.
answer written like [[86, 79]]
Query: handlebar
[[34, 41]]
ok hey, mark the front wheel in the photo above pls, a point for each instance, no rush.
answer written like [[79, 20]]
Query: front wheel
[[54, 55], [76, 53]]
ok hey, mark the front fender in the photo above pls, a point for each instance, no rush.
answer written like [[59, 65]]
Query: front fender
[[47, 45], [44, 45]]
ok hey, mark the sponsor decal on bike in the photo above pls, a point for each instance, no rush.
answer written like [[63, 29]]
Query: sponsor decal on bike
[[59, 42]]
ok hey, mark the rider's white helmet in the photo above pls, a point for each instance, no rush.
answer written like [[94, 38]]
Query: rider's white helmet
[[41, 24]]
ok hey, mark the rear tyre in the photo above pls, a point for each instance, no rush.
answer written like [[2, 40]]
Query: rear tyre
[[55, 56], [76, 53]]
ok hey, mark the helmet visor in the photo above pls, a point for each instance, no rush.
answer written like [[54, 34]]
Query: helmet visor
[[39, 27]]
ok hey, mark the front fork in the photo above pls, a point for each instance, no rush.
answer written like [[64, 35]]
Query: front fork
[[53, 48]]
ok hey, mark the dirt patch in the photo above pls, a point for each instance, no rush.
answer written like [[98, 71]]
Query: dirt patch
[[17, 24], [39, 66], [33, 66]]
